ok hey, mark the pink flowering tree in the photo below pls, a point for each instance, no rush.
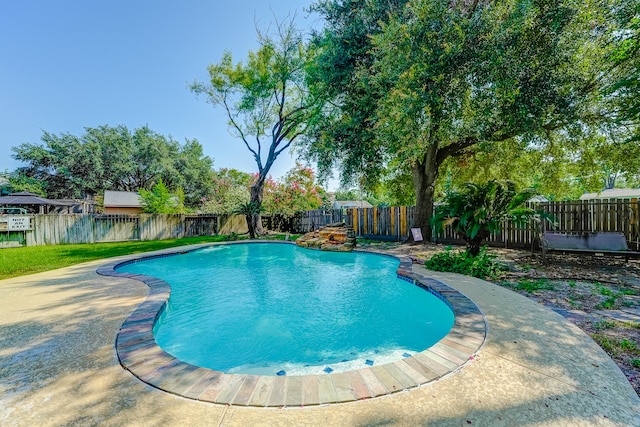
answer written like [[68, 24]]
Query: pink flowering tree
[[296, 192], [230, 190]]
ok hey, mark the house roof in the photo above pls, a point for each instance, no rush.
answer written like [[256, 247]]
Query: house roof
[[340, 204], [25, 198], [538, 198], [614, 193], [122, 199]]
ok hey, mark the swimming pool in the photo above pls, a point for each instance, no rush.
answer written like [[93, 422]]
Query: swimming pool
[[277, 309], [139, 353]]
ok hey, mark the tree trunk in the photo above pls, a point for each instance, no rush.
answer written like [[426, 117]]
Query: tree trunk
[[254, 221], [425, 173], [474, 244], [251, 226]]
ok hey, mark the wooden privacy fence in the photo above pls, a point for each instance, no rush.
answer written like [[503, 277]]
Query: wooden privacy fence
[[390, 223], [312, 220], [394, 223], [70, 229], [381, 223]]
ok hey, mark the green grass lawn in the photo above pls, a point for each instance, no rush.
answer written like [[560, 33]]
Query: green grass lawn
[[35, 259]]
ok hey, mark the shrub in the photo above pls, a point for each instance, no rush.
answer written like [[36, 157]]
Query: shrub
[[482, 266], [478, 210]]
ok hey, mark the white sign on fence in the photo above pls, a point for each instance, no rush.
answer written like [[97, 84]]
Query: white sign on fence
[[18, 223]]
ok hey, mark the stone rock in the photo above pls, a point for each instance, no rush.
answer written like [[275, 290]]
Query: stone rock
[[333, 237]]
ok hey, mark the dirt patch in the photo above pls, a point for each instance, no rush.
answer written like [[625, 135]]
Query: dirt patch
[[601, 295]]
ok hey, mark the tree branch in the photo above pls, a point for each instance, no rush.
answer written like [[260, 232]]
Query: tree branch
[[286, 146], [239, 129], [456, 149]]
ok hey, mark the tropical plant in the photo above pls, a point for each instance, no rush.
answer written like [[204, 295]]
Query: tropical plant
[[478, 210], [160, 200], [251, 210]]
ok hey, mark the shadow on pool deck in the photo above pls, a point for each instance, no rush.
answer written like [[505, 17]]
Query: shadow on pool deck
[[58, 367]]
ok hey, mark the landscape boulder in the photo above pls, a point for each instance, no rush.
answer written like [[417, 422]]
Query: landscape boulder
[[333, 237]]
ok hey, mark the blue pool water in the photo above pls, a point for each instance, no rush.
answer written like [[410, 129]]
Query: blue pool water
[[273, 308]]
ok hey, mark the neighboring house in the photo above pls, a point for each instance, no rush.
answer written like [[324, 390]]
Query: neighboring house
[[74, 206], [348, 204], [538, 198], [32, 203], [614, 193], [122, 202]]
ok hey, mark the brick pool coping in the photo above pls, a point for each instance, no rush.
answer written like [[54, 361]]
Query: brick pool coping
[[139, 354]]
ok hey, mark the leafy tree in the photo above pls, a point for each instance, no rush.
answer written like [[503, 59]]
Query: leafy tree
[[351, 194], [451, 76], [604, 156], [374, 197], [264, 98], [343, 133], [114, 158], [193, 173], [563, 164], [397, 187], [547, 165], [478, 210], [297, 192], [230, 189], [16, 182], [159, 200], [625, 59]]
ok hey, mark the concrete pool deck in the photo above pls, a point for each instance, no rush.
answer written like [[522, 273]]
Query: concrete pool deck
[[139, 353], [58, 366]]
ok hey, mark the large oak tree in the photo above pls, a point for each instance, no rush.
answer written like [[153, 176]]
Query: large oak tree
[[115, 158], [452, 75]]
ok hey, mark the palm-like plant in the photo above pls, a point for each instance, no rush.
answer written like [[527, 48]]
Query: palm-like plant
[[251, 211], [478, 210]]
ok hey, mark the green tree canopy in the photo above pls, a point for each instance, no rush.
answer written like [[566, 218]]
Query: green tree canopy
[[624, 90], [114, 158], [450, 76], [159, 200], [343, 133], [15, 182]]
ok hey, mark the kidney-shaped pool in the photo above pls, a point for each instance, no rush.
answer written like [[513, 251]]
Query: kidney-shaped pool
[[277, 309]]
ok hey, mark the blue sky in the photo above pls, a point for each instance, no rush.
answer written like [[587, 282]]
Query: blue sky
[[67, 65]]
